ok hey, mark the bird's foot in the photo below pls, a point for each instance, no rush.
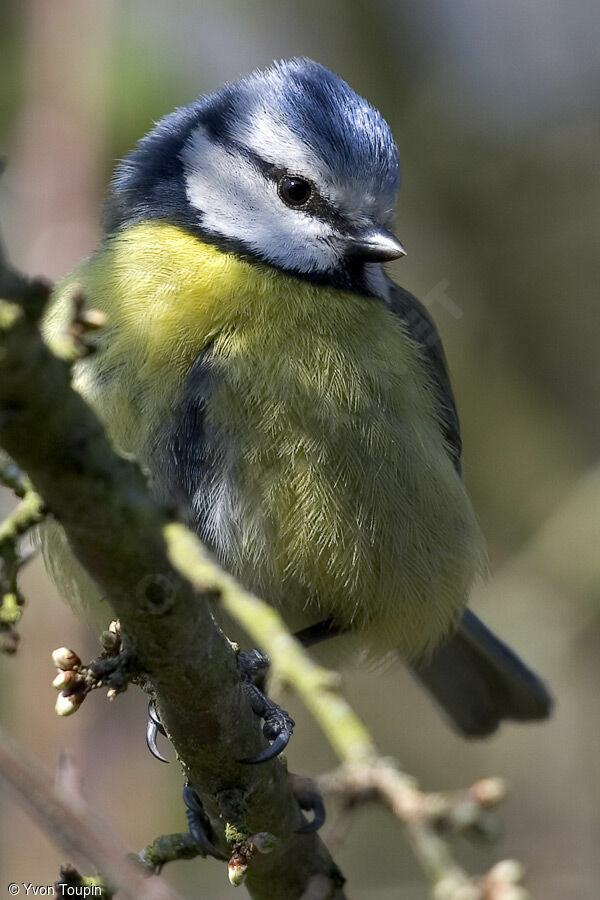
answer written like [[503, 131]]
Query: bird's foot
[[199, 824], [278, 724]]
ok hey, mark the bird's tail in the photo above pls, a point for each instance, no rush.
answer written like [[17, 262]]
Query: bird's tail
[[479, 681]]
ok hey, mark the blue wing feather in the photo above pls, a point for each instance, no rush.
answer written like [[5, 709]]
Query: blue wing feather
[[422, 330]]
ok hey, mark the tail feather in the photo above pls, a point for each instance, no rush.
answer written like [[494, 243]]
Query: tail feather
[[479, 681]]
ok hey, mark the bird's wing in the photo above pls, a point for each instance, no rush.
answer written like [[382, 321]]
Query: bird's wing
[[179, 456], [421, 328]]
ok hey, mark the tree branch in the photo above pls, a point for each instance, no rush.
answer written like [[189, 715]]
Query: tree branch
[[29, 513]]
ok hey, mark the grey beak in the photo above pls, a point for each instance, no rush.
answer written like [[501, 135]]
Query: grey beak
[[376, 244]]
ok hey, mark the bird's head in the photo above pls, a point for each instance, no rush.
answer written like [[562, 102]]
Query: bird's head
[[288, 166]]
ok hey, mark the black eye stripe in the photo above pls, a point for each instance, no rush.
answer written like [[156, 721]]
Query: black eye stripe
[[317, 206]]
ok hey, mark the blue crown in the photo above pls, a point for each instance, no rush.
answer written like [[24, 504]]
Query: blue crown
[[338, 126]]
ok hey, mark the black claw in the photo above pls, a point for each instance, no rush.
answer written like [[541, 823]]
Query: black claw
[[153, 716], [151, 733], [310, 800], [198, 823], [315, 803], [153, 728], [277, 747], [278, 726]]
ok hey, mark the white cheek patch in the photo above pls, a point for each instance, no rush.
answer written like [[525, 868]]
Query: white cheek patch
[[272, 139], [237, 201]]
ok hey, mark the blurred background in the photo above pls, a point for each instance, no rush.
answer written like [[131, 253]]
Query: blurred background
[[493, 108]]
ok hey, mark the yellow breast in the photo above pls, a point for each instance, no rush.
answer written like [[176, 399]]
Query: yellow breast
[[338, 496]]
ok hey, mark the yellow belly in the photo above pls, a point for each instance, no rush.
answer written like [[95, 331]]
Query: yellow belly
[[334, 493]]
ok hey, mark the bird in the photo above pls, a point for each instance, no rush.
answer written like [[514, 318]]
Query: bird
[[283, 391]]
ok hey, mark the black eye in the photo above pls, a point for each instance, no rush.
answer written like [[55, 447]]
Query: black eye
[[294, 190]]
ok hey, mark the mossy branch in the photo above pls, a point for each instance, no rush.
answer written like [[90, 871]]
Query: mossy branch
[[28, 513]]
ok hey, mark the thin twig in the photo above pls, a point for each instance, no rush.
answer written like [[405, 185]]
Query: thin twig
[[168, 848], [74, 825]]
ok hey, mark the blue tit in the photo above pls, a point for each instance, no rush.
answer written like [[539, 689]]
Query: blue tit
[[292, 398]]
